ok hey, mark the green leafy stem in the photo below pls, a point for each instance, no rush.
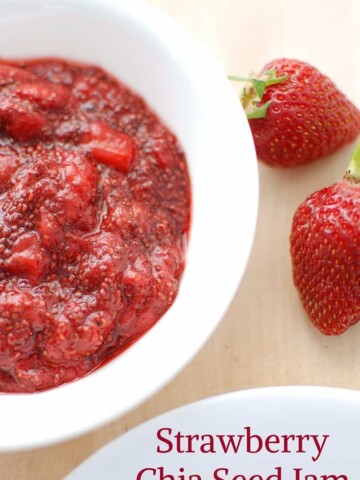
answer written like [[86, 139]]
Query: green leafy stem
[[257, 86], [354, 167]]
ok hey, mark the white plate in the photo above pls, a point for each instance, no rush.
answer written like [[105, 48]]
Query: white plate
[[330, 417]]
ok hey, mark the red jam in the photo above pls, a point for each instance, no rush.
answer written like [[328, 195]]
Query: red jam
[[94, 215]]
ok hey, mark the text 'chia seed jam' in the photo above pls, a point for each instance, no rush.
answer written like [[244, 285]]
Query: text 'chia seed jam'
[[94, 216]]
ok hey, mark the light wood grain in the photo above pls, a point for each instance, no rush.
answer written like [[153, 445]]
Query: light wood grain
[[265, 338]]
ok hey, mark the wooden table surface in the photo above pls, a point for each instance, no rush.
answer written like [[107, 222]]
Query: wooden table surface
[[265, 338]]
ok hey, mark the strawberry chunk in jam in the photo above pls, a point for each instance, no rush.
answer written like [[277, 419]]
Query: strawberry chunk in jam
[[110, 147], [94, 211]]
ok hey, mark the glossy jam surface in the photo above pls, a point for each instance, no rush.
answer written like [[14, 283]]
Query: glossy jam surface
[[94, 215]]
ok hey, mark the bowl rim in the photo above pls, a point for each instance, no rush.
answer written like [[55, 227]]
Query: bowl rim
[[82, 420]]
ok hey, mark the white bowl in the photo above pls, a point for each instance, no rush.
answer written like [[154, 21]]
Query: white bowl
[[155, 57]]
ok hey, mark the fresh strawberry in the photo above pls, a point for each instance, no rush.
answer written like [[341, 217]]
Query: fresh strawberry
[[325, 251], [297, 114]]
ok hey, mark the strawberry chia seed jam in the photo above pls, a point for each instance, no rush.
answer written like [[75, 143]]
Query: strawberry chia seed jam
[[94, 216]]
